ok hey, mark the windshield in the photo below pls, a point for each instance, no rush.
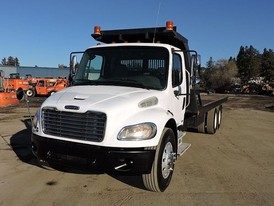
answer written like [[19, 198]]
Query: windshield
[[134, 66]]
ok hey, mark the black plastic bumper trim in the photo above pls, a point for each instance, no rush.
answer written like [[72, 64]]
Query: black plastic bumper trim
[[71, 154]]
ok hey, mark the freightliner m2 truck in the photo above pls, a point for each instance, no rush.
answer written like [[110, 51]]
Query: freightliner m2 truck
[[131, 99]]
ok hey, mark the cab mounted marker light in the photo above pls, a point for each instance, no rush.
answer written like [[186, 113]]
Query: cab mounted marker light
[[169, 25], [97, 30]]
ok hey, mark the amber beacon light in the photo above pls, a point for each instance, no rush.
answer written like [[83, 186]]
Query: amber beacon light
[[97, 30], [169, 25]]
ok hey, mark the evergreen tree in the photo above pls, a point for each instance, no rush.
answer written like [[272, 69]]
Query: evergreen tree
[[232, 59], [267, 66], [210, 63], [248, 62], [254, 62], [4, 61], [242, 62], [16, 62], [11, 61], [207, 72]]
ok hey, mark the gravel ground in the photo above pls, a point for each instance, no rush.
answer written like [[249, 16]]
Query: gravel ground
[[233, 167]]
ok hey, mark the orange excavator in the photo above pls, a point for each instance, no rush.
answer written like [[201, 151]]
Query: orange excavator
[[7, 96]]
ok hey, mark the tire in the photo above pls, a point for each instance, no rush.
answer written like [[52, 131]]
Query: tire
[[163, 165], [212, 121], [202, 127], [219, 116], [20, 94], [30, 93]]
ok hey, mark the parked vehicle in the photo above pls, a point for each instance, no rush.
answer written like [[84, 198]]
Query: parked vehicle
[[14, 82], [7, 96], [48, 86], [130, 103]]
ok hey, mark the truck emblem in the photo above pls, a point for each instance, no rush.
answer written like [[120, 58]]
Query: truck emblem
[[72, 107]]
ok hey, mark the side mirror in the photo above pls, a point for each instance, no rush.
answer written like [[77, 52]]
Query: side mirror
[[199, 64], [195, 60], [195, 64], [73, 63], [198, 60]]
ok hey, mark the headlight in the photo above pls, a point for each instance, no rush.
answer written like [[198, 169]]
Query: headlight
[[138, 132], [35, 120]]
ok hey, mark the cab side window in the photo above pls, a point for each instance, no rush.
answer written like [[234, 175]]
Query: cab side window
[[177, 70]]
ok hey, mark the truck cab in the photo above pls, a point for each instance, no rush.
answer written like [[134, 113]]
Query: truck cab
[[141, 70], [125, 110]]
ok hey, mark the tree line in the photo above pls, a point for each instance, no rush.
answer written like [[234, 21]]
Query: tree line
[[14, 61], [248, 65], [10, 61]]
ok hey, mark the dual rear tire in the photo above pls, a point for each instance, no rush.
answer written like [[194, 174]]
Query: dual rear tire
[[212, 121]]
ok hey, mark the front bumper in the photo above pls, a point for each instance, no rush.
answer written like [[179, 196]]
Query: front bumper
[[71, 154]]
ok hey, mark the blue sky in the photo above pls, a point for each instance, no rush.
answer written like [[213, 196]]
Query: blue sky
[[44, 32]]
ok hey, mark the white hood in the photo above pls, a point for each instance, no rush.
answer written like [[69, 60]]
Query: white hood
[[97, 98], [123, 106]]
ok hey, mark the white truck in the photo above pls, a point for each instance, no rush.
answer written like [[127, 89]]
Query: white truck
[[129, 105]]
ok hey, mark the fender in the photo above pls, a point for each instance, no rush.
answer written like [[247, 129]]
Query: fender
[[155, 115]]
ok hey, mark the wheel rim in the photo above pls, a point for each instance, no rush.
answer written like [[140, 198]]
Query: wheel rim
[[29, 93], [219, 118], [215, 120], [167, 160]]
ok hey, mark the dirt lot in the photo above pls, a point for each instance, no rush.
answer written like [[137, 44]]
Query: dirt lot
[[233, 167]]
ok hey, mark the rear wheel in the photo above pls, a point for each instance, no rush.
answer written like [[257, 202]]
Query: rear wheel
[[201, 128], [163, 165], [220, 114], [212, 121]]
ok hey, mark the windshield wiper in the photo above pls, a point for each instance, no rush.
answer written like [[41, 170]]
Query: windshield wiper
[[117, 82], [85, 82], [132, 82]]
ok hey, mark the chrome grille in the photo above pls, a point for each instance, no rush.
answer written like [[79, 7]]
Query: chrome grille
[[88, 126]]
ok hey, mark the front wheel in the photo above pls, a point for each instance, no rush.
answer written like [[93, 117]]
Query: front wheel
[[30, 93], [163, 165]]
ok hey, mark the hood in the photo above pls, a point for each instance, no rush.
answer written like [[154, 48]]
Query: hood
[[97, 98]]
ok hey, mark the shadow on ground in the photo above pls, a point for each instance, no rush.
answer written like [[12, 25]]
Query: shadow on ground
[[21, 145]]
